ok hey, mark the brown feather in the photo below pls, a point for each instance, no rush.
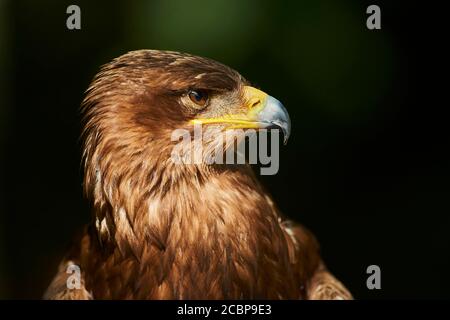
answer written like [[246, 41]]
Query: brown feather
[[165, 231]]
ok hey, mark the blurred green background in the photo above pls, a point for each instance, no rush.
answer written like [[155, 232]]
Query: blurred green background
[[365, 168]]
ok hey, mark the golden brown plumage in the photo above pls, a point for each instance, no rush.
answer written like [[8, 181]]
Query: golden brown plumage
[[167, 231]]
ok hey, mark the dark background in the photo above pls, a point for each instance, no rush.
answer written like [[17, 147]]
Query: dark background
[[366, 167]]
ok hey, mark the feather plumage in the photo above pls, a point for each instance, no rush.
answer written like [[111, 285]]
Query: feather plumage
[[165, 231]]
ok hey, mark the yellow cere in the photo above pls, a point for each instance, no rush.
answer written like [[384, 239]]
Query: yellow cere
[[255, 101]]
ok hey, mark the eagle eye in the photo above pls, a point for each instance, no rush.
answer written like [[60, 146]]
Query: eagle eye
[[199, 97]]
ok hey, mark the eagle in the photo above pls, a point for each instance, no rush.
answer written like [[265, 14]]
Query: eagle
[[161, 230]]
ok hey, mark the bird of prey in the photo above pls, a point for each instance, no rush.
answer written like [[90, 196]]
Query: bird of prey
[[162, 230]]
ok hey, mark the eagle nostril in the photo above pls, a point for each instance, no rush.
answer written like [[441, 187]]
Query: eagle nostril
[[254, 103]]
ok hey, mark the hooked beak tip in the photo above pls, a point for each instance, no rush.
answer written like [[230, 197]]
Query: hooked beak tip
[[276, 114]]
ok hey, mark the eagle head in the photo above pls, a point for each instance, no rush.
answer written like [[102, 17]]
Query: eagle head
[[137, 101]]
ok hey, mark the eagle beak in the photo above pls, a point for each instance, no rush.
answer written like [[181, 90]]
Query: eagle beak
[[260, 111], [268, 111]]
